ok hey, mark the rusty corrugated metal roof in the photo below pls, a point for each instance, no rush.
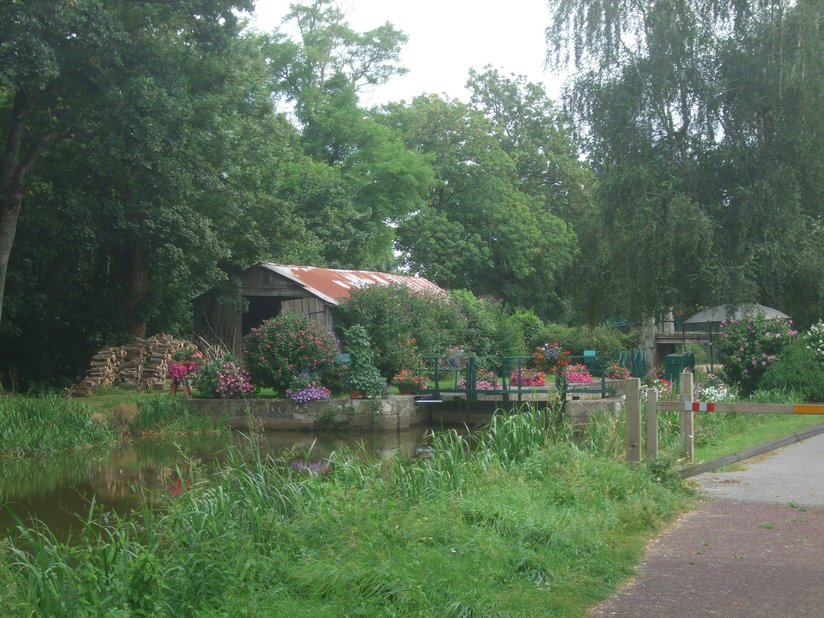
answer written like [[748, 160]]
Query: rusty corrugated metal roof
[[332, 284]]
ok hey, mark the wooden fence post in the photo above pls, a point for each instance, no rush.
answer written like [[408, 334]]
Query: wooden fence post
[[633, 405], [652, 424], [687, 417]]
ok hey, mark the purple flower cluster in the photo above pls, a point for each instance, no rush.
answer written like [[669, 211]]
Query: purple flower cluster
[[313, 392]]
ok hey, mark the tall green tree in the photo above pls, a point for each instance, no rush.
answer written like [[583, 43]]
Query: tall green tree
[[538, 137], [67, 66], [174, 172], [373, 178], [478, 229], [697, 118]]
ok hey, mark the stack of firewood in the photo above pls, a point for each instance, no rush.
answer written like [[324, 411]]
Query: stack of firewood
[[141, 364], [102, 373]]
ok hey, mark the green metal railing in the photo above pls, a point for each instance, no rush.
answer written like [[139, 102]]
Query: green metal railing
[[506, 376]]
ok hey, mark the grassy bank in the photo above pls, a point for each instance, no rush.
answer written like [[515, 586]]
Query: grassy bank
[[52, 423], [524, 524]]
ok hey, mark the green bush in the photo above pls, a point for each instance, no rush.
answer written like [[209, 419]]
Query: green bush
[[282, 347], [401, 323], [576, 339], [797, 370], [363, 375], [487, 328], [531, 326]]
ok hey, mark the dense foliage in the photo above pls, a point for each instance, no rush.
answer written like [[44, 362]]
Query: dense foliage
[[576, 339], [401, 323], [797, 371], [363, 376], [404, 325]]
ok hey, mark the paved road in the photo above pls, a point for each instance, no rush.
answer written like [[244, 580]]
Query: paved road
[[754, 548]]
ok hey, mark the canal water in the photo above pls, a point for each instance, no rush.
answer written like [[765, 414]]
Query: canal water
[[59, 490]]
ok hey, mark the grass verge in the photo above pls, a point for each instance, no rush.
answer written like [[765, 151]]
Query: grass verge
[[52, 423], [38, 425]]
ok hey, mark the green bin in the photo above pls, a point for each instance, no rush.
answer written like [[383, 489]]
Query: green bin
[[674, 365]]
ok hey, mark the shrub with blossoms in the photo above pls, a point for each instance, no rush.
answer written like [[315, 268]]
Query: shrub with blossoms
[[815, 340], [578, 374], [283, 347], [185, 362], [750, 346], [617, 372], [407, 378], [307, 387], [484, 381], [223, 378], [550, 357], [655, 380], [528, 378]]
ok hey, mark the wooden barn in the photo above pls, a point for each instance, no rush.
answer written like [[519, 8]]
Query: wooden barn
[[269, 289]]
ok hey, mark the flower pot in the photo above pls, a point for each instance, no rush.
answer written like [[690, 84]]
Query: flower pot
[[355, 394], [405, 390]]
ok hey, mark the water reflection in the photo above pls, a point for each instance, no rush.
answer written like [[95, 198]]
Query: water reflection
[[59, 489]]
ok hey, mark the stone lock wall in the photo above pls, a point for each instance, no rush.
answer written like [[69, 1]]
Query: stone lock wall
[[388, 414]]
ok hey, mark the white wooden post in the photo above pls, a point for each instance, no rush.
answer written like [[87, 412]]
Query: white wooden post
[[687, 417], [633, 405], [652, 424]]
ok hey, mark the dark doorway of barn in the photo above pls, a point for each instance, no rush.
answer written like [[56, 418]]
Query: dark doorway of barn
[[261, 308]]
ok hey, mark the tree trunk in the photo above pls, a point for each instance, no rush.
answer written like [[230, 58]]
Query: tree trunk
[[136, 285], [9, 213], [16, 165]]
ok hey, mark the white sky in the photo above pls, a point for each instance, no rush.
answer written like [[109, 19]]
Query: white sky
[[446, 39]]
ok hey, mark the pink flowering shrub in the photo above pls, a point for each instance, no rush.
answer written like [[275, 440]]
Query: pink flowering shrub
[[177, 372], [480, 385], [750, 346], [578, 374], [484, 381], [184, 363], [223, 378], [288, 344]]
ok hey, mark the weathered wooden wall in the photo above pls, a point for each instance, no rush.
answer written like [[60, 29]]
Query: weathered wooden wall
[[221, 323]]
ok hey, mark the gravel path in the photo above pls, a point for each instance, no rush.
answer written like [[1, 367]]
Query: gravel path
[[754, 547]]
